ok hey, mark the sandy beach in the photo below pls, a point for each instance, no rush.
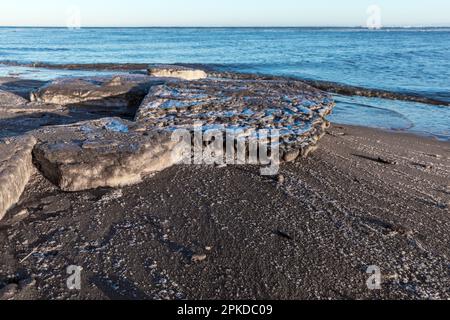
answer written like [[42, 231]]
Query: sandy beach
[[365, 198]]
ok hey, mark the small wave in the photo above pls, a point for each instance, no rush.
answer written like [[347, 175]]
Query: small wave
[[349, 90], [385, 111], [78, 66], [353, 113], [28, 49]]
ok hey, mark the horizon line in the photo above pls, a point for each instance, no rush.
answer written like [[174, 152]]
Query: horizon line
[[223, 27]]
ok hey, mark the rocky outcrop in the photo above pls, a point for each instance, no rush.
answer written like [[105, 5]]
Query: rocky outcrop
[[108, 152], [120, 93], [172, 71], [112, 152], [15, 170], [294, 108]]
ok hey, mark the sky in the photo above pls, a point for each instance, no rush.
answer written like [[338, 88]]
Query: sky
[[147, 13]]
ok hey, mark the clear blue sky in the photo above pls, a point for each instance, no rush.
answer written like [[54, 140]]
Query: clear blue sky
[[223, 12]]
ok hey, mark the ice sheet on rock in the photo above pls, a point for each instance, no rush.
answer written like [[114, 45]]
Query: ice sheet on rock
[[292, 107]]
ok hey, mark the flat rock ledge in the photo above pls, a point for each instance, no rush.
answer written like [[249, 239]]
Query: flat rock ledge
[[295, 109], [109, 152], [123, 92], [179, 72], [16, 168]]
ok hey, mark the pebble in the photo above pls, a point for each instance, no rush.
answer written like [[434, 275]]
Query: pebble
[[281, 179], [424, 166], [199, 257], [21, 215], [27, 283], [307, 151], [336, 134], [390, 277], [291, 155], [114, 195], [386, 161], [443, 205], [9, 291]]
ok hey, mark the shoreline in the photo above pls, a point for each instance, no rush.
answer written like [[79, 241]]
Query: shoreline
[[406, 132], [367, 100], [366, 103], [220, 71], [365, 197]]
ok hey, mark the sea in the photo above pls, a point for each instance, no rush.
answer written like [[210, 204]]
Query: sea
[[410, 61]]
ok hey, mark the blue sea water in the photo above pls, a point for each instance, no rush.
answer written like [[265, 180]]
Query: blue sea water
[[415, 61]]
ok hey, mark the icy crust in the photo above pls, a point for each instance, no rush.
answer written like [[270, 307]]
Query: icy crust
[[293, 108]]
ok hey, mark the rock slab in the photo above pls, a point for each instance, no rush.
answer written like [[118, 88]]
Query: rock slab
[[296, 110], [16, 168], [124, 92], [179, 72], [109, 152]]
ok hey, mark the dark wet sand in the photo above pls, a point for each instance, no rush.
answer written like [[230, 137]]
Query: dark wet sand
[[366, 197]]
